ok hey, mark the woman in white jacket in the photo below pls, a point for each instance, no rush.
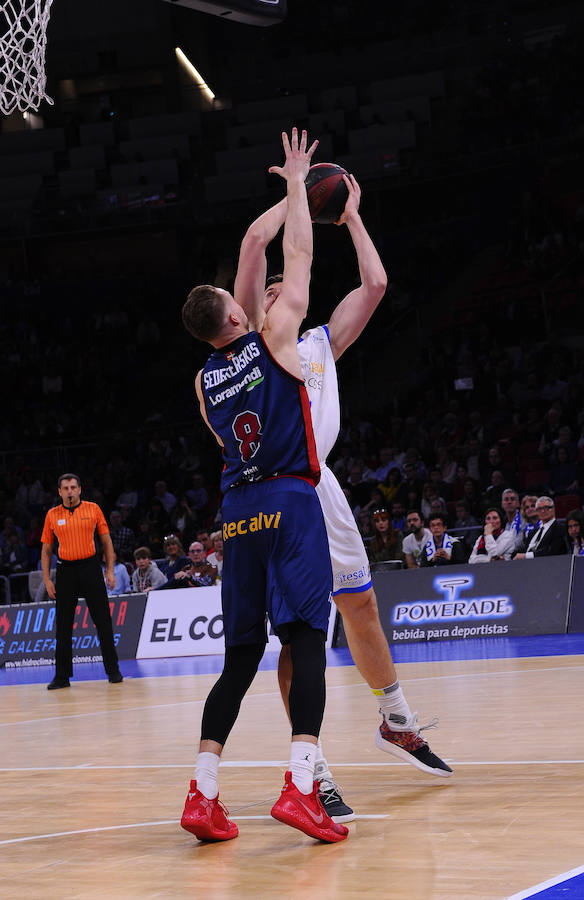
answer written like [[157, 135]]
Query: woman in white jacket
[[495, 543]]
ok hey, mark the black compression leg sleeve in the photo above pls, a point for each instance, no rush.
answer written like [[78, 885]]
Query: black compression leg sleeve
[[222, 704], [307, 691]]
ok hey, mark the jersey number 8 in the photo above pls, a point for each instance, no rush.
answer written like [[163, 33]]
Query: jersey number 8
[[247, 428]]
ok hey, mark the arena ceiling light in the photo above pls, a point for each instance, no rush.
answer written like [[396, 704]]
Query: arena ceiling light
[[183, 58], [250, 12]]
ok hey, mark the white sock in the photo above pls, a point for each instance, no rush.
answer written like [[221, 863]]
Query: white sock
[[394, 706], [302, 757], [206, 774], [321, 769]]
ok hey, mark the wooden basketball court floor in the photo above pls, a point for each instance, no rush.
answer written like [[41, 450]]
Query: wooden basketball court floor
[[93, 781]]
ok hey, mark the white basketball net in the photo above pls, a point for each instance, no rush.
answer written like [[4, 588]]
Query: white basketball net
[[23, 41]]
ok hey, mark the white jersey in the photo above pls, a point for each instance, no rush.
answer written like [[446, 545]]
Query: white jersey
[[320, 377], [351, 572]]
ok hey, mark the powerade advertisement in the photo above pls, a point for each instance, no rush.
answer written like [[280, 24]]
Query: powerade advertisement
[[27, 632], [498, 599]]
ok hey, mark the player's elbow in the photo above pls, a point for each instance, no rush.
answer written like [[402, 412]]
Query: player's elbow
[[254, 242], [378, 285]]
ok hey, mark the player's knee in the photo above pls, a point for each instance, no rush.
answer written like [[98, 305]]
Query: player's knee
[[362, 605]]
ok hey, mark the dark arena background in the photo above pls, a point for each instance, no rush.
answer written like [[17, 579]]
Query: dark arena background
[[463, 123]]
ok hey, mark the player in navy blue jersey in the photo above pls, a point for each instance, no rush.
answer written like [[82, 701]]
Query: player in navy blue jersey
[[275, 550]]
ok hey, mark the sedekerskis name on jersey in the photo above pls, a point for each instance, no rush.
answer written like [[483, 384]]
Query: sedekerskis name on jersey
[[248, 381], [238, 362]]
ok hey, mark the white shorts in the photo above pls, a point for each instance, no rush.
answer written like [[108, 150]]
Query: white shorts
[[351, 571]]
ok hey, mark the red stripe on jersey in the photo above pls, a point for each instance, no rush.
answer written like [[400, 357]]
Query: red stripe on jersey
[[309, 433]]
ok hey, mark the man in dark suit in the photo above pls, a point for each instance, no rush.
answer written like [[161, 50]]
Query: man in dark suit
[[549, 539]]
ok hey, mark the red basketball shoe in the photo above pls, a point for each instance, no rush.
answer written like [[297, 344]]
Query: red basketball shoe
[[306, 812], [208, 820]]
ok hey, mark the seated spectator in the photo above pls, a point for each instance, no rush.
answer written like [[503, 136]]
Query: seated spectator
[[147, 576], [386, 543], [414, 462], [387, 461], [202, 536], [30, 493], [495, 543], [458, 483], [550, 537], [575, 532], [563, 473], [443, 488], [122, 585], [529, 517], [32, 542], [162, 494], [463, 516], [216, 557], [513, 522], [129, 496], [158, 518], [429, 495], [197, 495], [415, 541], [472, 498], [13, 556], [10, 528], [364, 524], [411, 484], [495, 489], [494, 464], [473, 461], [437, 505], [563, 441], [398, 516], [198, 571], [391, 488], [149, 536], [175, 559], [376, 500], [446, 465], [123, 538], [442, 549], [183, 519], [358, 485]]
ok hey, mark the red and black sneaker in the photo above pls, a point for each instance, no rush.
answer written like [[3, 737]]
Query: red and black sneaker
[[306, 812], [411, 747], [208, 820]]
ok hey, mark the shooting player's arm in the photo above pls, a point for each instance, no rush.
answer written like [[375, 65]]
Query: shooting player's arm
[[353, 312], [250, 279], [281, 329]]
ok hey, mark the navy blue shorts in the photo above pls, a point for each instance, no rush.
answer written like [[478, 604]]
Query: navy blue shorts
[[275, 559]]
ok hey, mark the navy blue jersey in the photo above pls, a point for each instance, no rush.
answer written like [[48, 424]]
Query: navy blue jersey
[[261, 413]]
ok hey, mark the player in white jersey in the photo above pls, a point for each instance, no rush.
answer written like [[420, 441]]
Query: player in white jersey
[[319, 349]]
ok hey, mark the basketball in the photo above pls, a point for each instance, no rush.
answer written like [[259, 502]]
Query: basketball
[[327, 192]]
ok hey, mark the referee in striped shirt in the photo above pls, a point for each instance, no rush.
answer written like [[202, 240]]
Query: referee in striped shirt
[[79, 574]]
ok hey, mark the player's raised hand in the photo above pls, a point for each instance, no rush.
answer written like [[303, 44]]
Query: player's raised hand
[[298, 157], [353, 200]]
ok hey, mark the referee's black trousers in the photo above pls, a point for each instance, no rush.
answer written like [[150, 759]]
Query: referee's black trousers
[[82, 578]]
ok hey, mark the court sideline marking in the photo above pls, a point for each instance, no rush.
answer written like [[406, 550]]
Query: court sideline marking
[[543, 885], [56, 834], [334, 687]]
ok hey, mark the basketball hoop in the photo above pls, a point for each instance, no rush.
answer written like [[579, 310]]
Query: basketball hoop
[[23, 42]]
